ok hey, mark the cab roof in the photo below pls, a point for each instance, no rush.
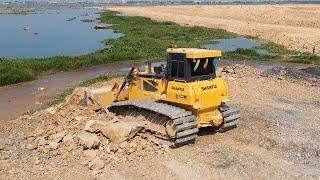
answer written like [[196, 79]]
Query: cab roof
[[195, 53]]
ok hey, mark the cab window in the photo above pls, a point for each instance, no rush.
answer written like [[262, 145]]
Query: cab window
[[201, 66], [177, 66]]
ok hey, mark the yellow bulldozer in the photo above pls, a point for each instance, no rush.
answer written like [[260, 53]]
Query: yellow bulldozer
[[176, 100]]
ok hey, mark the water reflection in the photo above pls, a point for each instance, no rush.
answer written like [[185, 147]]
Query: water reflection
[[229, 45], [51, 32]]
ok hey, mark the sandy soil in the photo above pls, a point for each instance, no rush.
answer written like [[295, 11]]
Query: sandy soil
[[294, 26], [277, 138]]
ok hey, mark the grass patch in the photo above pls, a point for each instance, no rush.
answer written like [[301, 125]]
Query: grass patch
[[71, 19], [306, 58], [283, 54], [251, 37], [242, 54], [276, 48], [87, 20]]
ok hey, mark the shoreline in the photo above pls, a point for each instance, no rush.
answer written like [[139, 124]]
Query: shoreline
[[137, 44]]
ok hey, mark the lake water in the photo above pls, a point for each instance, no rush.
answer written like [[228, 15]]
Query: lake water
[[50, 33], [229, 45]]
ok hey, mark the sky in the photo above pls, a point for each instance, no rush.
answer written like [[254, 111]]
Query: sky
[[150, 0]]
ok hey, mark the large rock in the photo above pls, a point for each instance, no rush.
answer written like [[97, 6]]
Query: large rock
[[121, 130], [52, 110], [31, 146], [88, 140], [94, 125], [96, 164], [53, 145], [90, 153], [67, 138], [58, 136]]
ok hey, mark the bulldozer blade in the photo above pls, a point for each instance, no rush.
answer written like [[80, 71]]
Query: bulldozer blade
[[101, 97]]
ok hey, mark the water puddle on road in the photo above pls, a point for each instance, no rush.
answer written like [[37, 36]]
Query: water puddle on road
[[229, 45]]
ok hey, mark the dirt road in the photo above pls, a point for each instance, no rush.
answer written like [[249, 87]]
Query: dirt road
[[20, 98], [277, 138], [294, 26]]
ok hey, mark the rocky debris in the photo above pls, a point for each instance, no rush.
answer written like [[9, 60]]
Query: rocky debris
[[120, 131], [88, 140], [94, 125], [99, 139], [312, 70], [67, 138], [89, 153], [238, 71], [5, 143], [46, 144], [53, 145], [52, 110], [114, 147], [57, 137], [308, 75], [31, 146], [96, 164]]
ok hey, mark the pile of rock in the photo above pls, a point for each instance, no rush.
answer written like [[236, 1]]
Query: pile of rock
[[308, 75], [102, 140], [238, 71]]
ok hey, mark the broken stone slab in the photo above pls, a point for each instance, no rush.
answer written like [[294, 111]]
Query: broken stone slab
[[31, 146], [58, 136], [96, 164], [39, 131], [41, 114], [67, 138], [123, 145], [114, 147], [120, 131], [88, 140], [41, 141], [89, 153], [52, 110], [94, 125], [53, 145]]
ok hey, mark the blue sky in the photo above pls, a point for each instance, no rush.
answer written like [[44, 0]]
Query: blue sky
[[158, 0]]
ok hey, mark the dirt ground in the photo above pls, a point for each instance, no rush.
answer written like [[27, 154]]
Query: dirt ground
[[277, 138], [295, 26]]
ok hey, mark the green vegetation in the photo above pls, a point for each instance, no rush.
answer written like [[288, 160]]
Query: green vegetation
[[283, 54], [143, 38], [71, 19], [87, 20], [276, 48], [241, 54], [291, 55]]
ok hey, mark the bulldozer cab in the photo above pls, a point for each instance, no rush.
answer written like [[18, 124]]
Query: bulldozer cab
[[190, 64]]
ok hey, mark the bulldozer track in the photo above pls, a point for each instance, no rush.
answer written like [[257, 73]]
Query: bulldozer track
[[183, 122], [231, 117]]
